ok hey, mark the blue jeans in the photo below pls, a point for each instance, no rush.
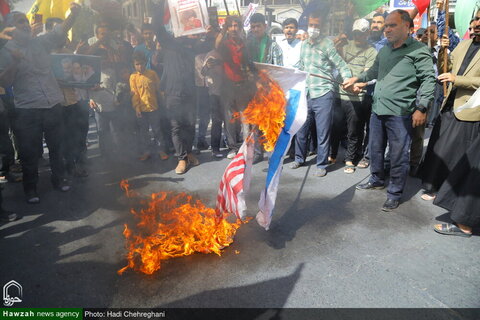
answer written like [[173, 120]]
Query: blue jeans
[[320, 112], [397, 130]]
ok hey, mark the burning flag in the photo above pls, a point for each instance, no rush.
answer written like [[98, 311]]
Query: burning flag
[[278, 109], [236, 182], [173, 225], [292, 82]]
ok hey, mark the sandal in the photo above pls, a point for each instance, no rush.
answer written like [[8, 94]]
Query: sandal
[[451, 230], [363, 164], [332, 160], [428, 196], [349, 169]]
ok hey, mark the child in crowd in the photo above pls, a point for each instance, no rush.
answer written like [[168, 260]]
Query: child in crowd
[[145, 90]]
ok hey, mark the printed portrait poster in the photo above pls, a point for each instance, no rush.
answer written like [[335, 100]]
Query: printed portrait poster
[[188, 17], [76, 70]]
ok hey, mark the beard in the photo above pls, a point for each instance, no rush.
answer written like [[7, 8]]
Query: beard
[[376, 35]]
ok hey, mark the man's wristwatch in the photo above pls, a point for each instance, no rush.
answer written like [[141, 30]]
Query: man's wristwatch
[[422, 109]]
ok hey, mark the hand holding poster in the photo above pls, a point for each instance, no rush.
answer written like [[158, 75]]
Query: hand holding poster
[[188, 17]]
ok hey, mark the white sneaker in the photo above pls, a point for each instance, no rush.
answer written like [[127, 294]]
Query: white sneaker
[[231, 154]]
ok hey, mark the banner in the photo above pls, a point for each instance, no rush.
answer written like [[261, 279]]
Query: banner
[[75, 70], [292, 82], [364, 7], [188, 17], [465, 10], [252, 8]]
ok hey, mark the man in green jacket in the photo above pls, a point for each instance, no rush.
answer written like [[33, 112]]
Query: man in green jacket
[[402, 68]]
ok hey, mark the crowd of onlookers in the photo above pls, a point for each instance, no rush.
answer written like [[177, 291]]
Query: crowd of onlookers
[[161, 96]]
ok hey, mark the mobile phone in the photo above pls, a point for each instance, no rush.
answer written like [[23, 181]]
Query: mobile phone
[[38, 18]]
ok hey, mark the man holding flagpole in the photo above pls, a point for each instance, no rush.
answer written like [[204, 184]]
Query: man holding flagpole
[[450, 171]]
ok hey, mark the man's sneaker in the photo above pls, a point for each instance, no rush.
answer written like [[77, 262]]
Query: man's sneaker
[[192, 160], [217, 154], [231, 154], [320, 172], [8, 216], [295, 165], [181, 167], [62, 185], [32, 197]]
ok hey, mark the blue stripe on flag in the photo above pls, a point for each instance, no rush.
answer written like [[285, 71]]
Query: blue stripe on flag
[[284, 137]]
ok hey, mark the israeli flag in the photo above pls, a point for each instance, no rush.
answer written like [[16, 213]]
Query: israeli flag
[[292, 82]]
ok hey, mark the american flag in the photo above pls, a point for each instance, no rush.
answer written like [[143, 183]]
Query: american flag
[[235, 182]]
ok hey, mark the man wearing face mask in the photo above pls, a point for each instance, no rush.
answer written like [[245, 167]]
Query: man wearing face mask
[[402, 68], [38, 98], [318, 56]]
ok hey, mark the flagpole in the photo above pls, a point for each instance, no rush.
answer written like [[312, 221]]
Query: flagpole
[[428, 26], [325, 78], [445, 49], [226, 7]]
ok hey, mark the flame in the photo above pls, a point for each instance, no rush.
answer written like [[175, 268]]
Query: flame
[[267, 110], [173, 225]]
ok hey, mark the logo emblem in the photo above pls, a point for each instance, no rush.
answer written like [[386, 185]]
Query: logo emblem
[[12, 292]]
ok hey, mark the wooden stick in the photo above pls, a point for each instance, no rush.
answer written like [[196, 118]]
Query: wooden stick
[[445, 50], [325, 78], [428, 27]]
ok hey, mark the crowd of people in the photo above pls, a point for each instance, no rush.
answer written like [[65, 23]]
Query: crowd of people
[[372, 89]]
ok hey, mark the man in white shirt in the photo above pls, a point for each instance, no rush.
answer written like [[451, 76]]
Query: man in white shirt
[[290, 45]]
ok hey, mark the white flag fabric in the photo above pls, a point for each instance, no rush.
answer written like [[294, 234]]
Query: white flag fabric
[[473, 102], [236, 182], [292, 81]]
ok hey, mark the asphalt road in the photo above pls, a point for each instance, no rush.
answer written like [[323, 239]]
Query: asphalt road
[[330, 246]]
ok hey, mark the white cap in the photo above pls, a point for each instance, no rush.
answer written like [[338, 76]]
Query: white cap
[[361, 25]]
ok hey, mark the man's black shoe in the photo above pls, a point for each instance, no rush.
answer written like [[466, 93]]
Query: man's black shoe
[[390, 204], [369, 186]]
